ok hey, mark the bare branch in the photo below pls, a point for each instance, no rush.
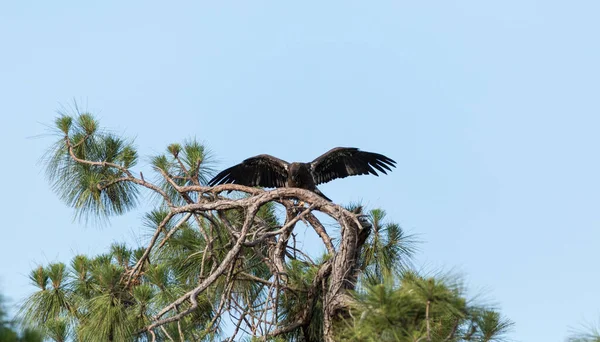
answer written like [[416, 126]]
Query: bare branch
[[174, 229], [138, 266], [320, 229], [191, 295]]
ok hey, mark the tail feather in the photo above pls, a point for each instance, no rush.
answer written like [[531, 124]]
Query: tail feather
[[318, 192]]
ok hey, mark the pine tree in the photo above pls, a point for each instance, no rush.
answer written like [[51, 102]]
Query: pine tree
[[225, 266]]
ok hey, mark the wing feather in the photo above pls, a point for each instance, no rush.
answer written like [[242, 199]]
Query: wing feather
[[263, 170], [342, 162]]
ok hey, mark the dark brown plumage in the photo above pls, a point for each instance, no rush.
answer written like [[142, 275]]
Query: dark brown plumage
[[270, 172]]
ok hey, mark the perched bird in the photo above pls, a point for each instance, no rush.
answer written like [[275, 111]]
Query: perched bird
[[270, 172]]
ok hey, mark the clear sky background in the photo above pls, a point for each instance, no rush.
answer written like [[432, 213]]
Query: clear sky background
[[491, 110]]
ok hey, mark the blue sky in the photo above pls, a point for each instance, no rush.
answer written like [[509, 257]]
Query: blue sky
[[491, 110]]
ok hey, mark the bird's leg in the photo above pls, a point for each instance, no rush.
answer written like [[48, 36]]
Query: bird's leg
[[299, 207], [299, 204]]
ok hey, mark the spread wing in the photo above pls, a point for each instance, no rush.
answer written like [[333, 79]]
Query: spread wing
[[342, 162], [262, 170]]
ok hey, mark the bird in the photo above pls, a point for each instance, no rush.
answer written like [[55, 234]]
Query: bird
[[270, 172]]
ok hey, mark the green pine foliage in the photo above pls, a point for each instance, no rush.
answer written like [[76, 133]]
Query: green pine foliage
[[387, 248], [586, 333], [88, 300], [411, 307], [92, 188]]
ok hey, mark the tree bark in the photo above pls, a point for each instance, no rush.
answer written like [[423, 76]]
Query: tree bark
[[336, 299]]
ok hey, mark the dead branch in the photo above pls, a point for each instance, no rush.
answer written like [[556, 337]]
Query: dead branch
[[330, 285]]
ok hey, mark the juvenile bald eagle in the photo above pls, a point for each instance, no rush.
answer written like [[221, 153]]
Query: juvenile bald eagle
[[270, 172]]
